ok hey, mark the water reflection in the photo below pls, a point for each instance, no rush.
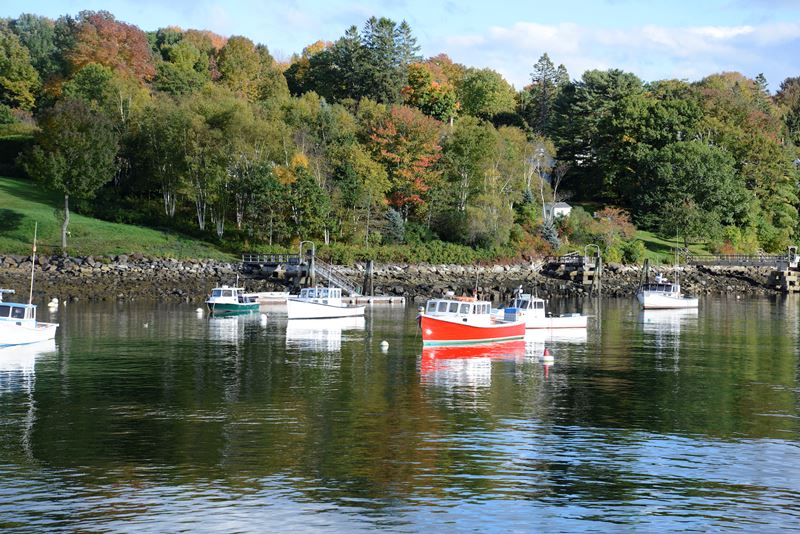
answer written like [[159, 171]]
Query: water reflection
[[321, 335], [667, 321]]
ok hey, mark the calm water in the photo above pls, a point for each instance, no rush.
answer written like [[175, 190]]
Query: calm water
[[152, 418]]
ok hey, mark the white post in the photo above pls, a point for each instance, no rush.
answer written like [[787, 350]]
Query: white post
[[33, 261]]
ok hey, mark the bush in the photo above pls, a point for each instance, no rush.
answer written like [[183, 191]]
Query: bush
[[633, 251], [6, 116], [612, 254]]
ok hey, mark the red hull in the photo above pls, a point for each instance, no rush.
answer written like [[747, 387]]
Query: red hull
[[437, 331]]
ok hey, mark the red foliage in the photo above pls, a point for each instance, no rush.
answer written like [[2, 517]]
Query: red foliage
[[408, 145], [101, 39]]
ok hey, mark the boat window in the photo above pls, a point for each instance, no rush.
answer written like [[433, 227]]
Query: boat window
[[17, 312], [431, 307], [486, 309], [454, 307], [442, 307], [539, 305], [323, 294], [227, 293], [4, 309], [465, 308], [216, 293]]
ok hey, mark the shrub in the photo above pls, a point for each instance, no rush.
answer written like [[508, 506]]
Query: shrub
[[612, 254], [633, 251]]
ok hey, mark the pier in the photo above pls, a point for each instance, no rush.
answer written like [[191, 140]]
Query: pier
[[784, 276]]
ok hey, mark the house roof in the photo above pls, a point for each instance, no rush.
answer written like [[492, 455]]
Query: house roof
[[558, 205]]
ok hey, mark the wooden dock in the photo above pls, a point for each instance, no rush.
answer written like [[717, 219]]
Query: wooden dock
[[387, 300]]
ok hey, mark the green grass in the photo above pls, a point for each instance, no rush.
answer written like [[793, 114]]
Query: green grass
[[22, 203], [661, 250]]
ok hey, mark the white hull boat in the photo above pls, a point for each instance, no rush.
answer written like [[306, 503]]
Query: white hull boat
[[321, 303], [664, 295], [269, 297], [24, 332], [532, 310]]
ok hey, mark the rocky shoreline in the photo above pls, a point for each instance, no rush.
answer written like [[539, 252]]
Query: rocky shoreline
[[137, 277]]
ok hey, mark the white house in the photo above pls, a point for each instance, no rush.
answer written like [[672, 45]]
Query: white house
[[554, 210]]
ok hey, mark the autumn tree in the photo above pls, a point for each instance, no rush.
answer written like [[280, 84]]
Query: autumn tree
[[408, 147], [437, 99], [74, 153], [99, 38]]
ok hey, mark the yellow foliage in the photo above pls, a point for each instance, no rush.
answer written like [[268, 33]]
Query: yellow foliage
[[285, 175], [300, 160]]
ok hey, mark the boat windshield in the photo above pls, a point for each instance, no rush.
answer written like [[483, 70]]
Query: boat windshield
[[457, 307], [661, 288], [5, 310]]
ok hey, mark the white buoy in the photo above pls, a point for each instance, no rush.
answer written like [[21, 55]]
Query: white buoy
[[146, 325], [384, 345], [263, 319]]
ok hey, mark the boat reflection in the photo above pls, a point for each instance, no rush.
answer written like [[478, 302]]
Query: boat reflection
[[230, 328], [667, 321], [21, 359], [470, 366], [537, 340], [324, 335]]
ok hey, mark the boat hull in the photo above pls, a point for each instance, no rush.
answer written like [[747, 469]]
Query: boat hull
[[665, 302], [226, 308], [440, 331], [301, 309], [25, 332]]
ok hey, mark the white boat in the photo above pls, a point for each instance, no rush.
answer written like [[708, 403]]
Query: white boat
[[663, 294], [320, 303], [18, 324], [532, 310], [227, 300]]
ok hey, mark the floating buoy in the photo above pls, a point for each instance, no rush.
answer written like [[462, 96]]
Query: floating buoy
[[384, 345], [199, 311], [146, 325], [263, 319], [546, 356]]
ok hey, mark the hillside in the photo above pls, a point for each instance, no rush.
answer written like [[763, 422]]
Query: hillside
[[22, 203]]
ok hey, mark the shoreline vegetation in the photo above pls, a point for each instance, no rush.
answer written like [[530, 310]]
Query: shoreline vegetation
[[183, 143]]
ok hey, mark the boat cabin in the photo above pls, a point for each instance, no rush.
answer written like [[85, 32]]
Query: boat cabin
[[458, 306], [229, 294], [13, 311], [529, 303], [661, 288], [324, 295]]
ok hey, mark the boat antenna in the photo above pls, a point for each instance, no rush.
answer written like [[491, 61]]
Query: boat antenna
[[475, 291], [33, 261]]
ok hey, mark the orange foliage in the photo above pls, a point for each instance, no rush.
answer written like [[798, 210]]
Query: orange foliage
[[122, 47]]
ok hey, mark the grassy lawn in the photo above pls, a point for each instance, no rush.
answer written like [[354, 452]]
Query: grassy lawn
[[660, 250], [22, 203]]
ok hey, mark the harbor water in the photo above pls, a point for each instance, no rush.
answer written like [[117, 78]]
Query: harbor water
[[152, 417]]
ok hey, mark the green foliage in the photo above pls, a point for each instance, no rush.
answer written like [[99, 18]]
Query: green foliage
[[550, 234], [19, 81], [633, 251], [484, 93], [38, 35], [6, 117], [395, 227]]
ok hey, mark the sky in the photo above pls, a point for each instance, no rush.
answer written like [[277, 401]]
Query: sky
[[655, 40]]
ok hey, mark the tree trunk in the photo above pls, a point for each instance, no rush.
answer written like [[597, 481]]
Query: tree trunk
[[65, 224]]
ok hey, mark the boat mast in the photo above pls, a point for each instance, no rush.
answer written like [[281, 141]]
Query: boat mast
[[33, 261]]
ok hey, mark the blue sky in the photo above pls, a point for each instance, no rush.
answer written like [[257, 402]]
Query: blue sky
[[653, 39]]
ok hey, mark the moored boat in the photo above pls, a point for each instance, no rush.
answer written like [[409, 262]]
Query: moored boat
[[465, 321], [269, 297], [321, 303], [663, 294], [227, 300], [531, 309], [18, 324]]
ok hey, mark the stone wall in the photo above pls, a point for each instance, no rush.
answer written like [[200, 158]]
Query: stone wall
[[136, 277]]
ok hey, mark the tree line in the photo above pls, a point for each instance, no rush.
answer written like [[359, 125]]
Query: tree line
[[363, 142]]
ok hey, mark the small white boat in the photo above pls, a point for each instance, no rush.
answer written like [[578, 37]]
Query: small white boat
[[18, 324], [532, 310], [227, 300], [320, 303], [663, 294]]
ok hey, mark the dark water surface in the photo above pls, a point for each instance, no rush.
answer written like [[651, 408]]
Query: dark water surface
[[144, 417]]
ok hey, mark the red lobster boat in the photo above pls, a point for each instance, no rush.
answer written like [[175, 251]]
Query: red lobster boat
[[465, 321]]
